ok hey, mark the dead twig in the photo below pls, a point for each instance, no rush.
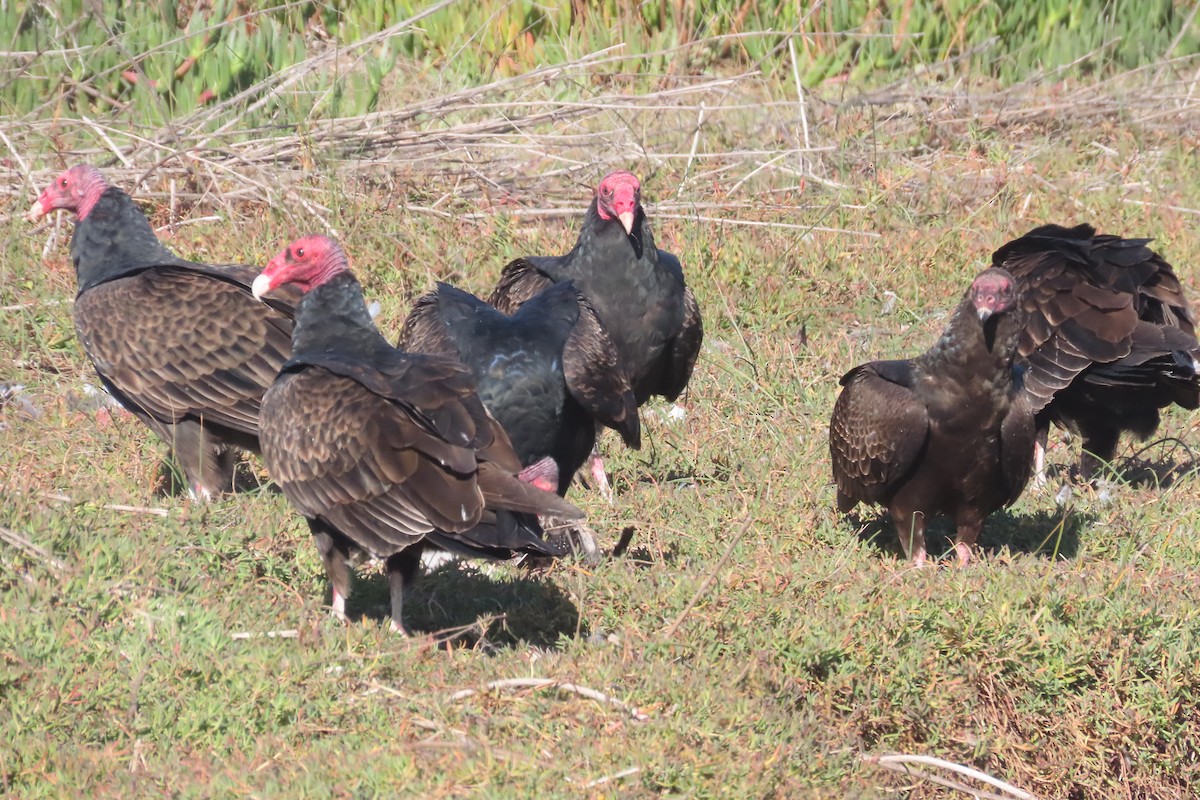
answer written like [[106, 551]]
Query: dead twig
[[708, 581], [62, 498], [899, 762], [551, 683], [289, 633], [616, 776], [23, 544]]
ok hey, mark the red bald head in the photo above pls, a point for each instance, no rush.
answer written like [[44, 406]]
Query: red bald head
[[307, 262], [994, 291], [619, 196], [76, 190]]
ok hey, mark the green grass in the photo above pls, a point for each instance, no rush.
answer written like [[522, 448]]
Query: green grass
[[1064, 662]]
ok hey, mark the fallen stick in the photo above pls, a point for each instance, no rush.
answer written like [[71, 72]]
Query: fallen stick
[[290, 633], [29, 548], [543, 683], [62, 498], [898, 762]]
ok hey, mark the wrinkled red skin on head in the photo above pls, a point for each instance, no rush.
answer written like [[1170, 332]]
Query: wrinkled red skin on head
[[619, 194], [75, 190], [307, 262], [994, 294]]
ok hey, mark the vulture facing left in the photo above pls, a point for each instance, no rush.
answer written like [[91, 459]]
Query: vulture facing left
[[381, 450], [1110, 337], [184, 346], [949, 432]]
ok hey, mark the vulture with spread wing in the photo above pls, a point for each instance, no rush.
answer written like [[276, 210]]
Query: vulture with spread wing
[[948, 432], [381, 450], [548, 372], [184, 346], [637, 290], [1110, 338]]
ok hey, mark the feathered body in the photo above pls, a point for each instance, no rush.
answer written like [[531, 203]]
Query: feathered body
[[637, 290], [1110, 338], [385, 451], [548, 372], [184, 346], [949, 432]]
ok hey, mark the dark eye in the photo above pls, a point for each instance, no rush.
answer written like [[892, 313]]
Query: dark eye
[[299, 252], [62, 182]]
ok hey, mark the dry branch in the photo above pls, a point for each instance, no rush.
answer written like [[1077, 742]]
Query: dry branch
[[62, 498], [550, 683], [899, 762], [29, 548]]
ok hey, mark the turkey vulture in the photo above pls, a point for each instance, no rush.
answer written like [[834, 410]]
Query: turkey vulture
[[1110, 338], [637, 290], [548, 373], [381, 450], [182, 345], [948, 432]]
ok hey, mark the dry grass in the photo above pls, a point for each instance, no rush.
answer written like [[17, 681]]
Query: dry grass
[[775, 649]]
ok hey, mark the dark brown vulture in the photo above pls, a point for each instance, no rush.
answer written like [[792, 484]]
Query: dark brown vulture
[[949, 432], [385, 451], [637, 290], [183, 346], [1110, 338], [548, 373]]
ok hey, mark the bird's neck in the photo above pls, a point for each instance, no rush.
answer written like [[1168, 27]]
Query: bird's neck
[[114, 238], [975, 355], [609, 235], [333, 317]]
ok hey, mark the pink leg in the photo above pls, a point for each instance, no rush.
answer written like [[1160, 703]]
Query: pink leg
[[1039, 463], [339, 605], [910, 529], [969, 525], [601, 478]]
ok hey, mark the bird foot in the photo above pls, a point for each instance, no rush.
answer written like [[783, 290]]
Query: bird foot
[[963, 550], [568, 536], [199, 493], [398, 629], [919, 557]]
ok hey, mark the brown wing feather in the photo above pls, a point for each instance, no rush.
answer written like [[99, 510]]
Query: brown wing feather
[[1070, 323], [424, 331], [377, 473], [876, 434], [180, 343], [364, 466], [1086, 297], [519, 281], [1017, 435], [596, 379]]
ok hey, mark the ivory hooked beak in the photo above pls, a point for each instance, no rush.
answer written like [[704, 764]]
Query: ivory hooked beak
[[261, 285], [626, 218]]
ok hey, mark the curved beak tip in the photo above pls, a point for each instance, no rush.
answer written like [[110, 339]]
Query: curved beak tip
[[984, 313], [261, 285], [35, 211]]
